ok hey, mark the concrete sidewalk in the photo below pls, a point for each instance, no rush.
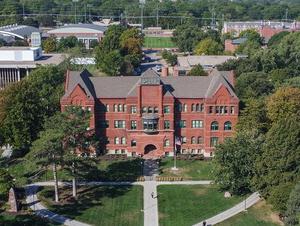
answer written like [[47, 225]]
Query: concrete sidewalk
[[250, 201], [150, 204], [41, 211]]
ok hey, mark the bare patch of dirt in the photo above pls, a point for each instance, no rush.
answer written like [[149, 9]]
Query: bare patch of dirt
[[267, 215]]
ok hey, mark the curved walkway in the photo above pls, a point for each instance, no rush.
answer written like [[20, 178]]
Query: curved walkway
[[242, 206]]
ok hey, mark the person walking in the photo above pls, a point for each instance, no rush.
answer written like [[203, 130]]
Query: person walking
[[152, 195]]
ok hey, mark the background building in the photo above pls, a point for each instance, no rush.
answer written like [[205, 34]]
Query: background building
[[17, 62], [85, 33], [147, 115], [10, 33]]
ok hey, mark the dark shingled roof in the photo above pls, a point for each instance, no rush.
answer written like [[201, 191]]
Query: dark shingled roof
[[124, 86]]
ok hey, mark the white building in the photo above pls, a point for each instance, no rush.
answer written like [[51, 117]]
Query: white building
[[85, 33], [17, 62]]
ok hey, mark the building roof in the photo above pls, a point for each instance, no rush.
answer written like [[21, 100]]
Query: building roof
[[125, 86], [204, 60], [79, 28], [239, 41], [20, 31]]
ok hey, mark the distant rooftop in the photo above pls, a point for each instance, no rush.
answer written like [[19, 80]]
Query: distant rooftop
[[205, 60], [20, 31], [79, 28], [239, 41]]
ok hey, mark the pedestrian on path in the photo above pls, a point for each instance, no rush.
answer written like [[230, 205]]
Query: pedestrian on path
[[204, 223], [152, 195]]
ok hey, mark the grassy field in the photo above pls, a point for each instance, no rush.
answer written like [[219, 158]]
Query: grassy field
[[185, 205], [158, 42], [23, 220], [103, 206], [258, 215], [188, 169]]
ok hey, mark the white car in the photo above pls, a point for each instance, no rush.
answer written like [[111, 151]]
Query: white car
[[158, 68]]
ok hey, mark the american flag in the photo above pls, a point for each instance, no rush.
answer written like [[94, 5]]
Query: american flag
[[177, 140]]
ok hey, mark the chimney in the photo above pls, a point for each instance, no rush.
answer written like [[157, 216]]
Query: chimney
[[67, 80], [231, 78], [175, 71], [164, 72]]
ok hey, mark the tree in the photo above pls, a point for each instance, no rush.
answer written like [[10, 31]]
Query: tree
[[197, 71], [169, 57], [49, 45], [276, 39], [293, 207], [111, 41], [131, 41], [187, 36], [48, 149], [69, 43], [251, 35], [208, 47], [249, 47], [253, 84], [6, 182], [234, 161], [110, 63], [21, 117], [284, 103], [277, 168], [76, 133]]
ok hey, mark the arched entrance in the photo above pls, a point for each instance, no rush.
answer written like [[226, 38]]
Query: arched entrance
[[149, 149]]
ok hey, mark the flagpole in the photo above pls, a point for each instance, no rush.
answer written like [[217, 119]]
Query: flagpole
[[175, 151]]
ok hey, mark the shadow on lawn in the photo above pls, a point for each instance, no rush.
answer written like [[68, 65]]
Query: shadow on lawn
[[88, 197], [23, 220]]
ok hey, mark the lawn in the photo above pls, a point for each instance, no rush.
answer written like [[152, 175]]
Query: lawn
[[100, 205], [23, 220], [188, 169], [185, 205], [158, 42], [258, 215]]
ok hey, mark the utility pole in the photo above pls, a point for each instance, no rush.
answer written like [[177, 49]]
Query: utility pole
[[157, 15], [89, 6], [286, 15], [75, 1], [85, 12], [23, 10], [142, 5]]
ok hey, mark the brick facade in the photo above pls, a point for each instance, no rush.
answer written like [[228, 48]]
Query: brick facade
[[152, 114]]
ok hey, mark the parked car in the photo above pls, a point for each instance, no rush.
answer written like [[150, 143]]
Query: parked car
[[146, 59], [158, 68]]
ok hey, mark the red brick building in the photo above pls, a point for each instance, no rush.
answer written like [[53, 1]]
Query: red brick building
[[145, 115]]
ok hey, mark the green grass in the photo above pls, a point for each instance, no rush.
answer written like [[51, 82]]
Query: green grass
[[188, 169], [23, 220], [102, 205], [185, 205], [159, 42], [258, 215]]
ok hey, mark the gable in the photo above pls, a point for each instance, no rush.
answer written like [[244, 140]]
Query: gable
[[78, 95], [222, 95]]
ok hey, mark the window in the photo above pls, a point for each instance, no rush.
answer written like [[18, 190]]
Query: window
[[115, 108], [166, 124], [119, 124], [120, 108], [225, 110], [214, 141], [144, 109], [150, 110], [211, 109], [166, 109], [133, 110], [217, 109], [200, 140], [133, 125], [124, 108], [156, 110], [123, 140], [193, 140], [133, 143], [123, 151], [200, 108], [181, 124], [179, 107], [222, 110], [183, 140], [116, 140], [107, 108], [150, 125], [167, 143], [185, 107], [194, 107], [231, 110], [197, 123], [227, 126], [214, 125]]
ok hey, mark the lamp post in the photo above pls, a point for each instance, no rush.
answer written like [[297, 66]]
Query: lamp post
[[175, 153], [142, 5]]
